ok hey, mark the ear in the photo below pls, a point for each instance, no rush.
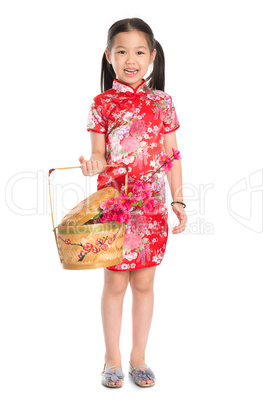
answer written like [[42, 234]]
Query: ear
[[153, 54], [108, 56]]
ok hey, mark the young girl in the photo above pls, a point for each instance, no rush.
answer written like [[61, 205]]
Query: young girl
[[133, 122]]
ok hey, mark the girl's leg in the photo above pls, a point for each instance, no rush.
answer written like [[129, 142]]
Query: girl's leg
[[141, 282], [114, 288]]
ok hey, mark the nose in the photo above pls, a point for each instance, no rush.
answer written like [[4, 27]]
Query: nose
[[130, 58]]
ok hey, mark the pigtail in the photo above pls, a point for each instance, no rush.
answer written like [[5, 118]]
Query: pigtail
[[156, 79], [107, 74]]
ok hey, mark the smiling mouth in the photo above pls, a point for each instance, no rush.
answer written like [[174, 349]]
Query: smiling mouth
[[130, 71]]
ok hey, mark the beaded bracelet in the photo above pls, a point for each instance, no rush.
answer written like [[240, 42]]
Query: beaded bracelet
[[178, 202]]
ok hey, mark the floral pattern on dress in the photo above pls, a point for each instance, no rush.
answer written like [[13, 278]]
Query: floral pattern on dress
[[134, 122]]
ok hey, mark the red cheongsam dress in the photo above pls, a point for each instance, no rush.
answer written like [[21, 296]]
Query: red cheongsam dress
[[134, 122]]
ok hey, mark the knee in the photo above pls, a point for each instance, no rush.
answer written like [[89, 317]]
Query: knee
[[143, 286], [117, 285]]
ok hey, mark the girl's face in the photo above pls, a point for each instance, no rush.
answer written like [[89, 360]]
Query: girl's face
[[130, 57]]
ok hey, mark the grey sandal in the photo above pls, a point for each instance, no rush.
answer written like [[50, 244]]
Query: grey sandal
[[141, 375], [108, 375]]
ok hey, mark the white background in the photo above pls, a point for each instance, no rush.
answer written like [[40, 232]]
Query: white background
[[208, 339]]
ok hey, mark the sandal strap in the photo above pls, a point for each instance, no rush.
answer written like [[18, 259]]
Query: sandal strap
[[141, 365], [114, 367], [110, 367]]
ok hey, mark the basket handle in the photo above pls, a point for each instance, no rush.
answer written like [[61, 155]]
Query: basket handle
[[76, 167]]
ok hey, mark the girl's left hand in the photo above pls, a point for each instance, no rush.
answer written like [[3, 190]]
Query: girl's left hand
[[180, 212]]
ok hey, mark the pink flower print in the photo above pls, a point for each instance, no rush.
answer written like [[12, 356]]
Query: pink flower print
[[132, 240], [81, 254], [174, 118], [99, 242], [67, 241], [139, 223], [130, 144], [87, 246], [137, 127]]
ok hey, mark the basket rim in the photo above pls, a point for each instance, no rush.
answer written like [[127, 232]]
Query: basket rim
[[81, 229]]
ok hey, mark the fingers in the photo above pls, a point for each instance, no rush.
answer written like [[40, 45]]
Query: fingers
[[90, 168], [178, 229], [182, 217], [181, 227]]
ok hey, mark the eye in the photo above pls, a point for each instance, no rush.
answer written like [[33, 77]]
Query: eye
[[140, 52], [121, 51]]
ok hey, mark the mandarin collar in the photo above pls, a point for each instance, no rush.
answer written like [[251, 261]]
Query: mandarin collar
[[120, 86]]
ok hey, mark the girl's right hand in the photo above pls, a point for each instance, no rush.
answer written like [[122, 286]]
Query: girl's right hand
[[90, 168]]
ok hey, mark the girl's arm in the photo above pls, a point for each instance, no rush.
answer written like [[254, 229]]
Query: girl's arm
[[97, 159], [174, 177]]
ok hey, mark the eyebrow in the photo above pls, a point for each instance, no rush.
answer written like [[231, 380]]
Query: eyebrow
[[138, 47]]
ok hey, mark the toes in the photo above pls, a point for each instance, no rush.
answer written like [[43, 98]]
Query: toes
[[115, 383], [149, 381], [143, 382]]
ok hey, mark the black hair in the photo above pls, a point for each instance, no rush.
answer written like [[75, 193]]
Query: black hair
[[156, 79]]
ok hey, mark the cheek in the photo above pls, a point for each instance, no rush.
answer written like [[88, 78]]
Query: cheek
[[117, 62], [145, 64]]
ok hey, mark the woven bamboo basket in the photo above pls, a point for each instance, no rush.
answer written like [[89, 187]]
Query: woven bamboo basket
[[82, 244]]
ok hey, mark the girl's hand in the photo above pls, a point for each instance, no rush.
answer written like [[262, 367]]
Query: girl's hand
[[90, 168], [179, 211]]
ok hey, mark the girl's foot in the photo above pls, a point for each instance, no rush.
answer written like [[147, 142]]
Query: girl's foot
[[110, 363], [139, 362]]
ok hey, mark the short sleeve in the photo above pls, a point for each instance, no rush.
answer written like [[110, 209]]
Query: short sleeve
[[95, 120], [170, 120]]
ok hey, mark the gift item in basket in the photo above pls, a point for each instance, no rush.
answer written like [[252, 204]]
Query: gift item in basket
[[89, 207], [83, 244]]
